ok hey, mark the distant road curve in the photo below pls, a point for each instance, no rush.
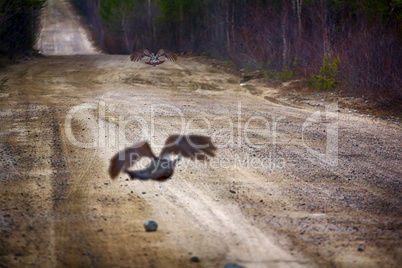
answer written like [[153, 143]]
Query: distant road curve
[[61, 32]]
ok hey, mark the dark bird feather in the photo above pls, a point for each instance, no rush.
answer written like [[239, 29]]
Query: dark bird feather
[[162, 167], [127, 157]]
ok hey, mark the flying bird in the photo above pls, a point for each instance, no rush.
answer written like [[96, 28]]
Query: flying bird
[[153, 59], [162, 167]]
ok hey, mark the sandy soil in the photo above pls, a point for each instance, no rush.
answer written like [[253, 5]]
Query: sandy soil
[[294, 183]]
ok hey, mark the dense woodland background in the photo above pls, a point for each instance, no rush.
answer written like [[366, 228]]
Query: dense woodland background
[[18, 21], [353, 45]]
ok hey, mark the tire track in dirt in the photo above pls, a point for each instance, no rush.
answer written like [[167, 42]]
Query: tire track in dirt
[[29, 186], [62, 177]]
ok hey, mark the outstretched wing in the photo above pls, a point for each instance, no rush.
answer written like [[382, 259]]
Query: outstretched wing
[[191, 146], [167, 54], [136, 56], [127, 157]]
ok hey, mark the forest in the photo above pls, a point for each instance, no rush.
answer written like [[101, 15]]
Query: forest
[[350, 45], [18, 21]]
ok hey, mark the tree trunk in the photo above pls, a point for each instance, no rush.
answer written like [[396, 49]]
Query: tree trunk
[[325, 38], [126, 41], [149, 14], [284, 37], [181, 25], [151, 27], [233, 27], [31, 27], [299, 21], [227, 28]]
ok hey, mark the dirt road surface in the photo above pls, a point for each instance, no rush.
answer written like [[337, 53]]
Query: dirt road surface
[[61, 33], [294, 184]]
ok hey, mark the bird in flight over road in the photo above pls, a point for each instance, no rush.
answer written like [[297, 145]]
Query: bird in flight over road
[[162, 167], [153, 59]]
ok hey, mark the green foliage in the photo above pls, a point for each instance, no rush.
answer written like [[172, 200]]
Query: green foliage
[[287, 73], [249, 67], [327, 78], [178, 19], [374, 10], [176, 10], [397, 6], [115, 13]]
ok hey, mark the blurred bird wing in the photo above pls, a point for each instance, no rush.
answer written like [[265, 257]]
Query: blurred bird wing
[[136, 56], [147, 53], [191, 146], [127, 157], [160, 53], [167, 54]]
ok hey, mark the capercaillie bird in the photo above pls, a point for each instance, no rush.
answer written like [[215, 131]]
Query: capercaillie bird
[[153, 59], [162, 167]]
